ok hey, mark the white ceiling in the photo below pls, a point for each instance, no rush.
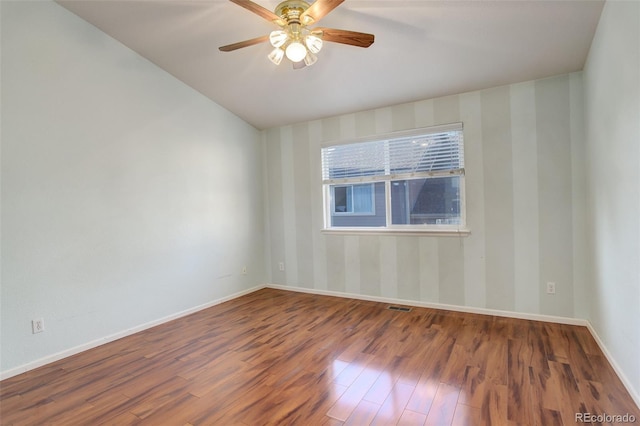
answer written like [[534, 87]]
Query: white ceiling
[[423, 49]]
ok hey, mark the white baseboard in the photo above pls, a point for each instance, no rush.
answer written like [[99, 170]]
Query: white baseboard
[[623, 378], [101, 341], [456, 308]]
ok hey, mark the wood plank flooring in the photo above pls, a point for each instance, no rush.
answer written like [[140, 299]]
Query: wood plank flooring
[[278, 358]]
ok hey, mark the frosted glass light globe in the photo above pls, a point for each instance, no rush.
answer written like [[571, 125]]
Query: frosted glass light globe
[[276, 55], [314, 44], [296, 51], [278, 38], [310, 59]]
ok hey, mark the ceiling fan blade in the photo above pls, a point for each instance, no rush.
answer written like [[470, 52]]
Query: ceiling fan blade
[[352, 38], [318, 10], [260, 11], [246, 43]]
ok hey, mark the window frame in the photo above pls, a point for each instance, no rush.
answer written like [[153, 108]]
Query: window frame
[[390, 228]]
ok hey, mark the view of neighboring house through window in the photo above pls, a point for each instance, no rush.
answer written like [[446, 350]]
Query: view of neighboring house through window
[[410, 181], [353, 199]]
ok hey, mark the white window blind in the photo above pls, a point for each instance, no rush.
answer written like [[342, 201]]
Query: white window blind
[[437, 152]]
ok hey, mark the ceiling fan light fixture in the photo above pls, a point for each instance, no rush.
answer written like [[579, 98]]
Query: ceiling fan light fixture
[[276, 55], [278, 38], [314, 43], [294, 38], [310, 59], [296, 51]]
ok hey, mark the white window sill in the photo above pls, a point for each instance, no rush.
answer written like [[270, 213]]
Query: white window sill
[[450, 232]]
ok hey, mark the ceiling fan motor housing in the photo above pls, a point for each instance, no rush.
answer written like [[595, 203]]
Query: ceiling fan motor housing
[[290, 11]]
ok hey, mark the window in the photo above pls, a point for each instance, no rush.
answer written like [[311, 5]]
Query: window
[[409, 182]]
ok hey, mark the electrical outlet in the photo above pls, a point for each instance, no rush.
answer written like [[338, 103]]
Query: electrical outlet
[[551, 288], [281, 266], [244, 270], [37, 325]]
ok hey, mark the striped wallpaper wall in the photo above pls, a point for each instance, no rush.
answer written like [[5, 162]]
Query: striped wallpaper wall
[[524, 157]]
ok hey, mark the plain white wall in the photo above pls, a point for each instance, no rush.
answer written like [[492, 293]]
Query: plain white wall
[[525, 205], [126, 196], [612, 117]]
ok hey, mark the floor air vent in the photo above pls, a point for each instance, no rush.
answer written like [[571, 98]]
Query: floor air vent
[[399, 308]]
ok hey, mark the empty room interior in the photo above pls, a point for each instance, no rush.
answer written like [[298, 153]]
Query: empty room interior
[[320, 213]]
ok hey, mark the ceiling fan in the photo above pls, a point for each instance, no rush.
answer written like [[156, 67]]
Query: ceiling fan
[[295, 39]]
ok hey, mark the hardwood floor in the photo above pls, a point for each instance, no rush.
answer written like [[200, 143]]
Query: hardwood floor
[[276, 357]]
